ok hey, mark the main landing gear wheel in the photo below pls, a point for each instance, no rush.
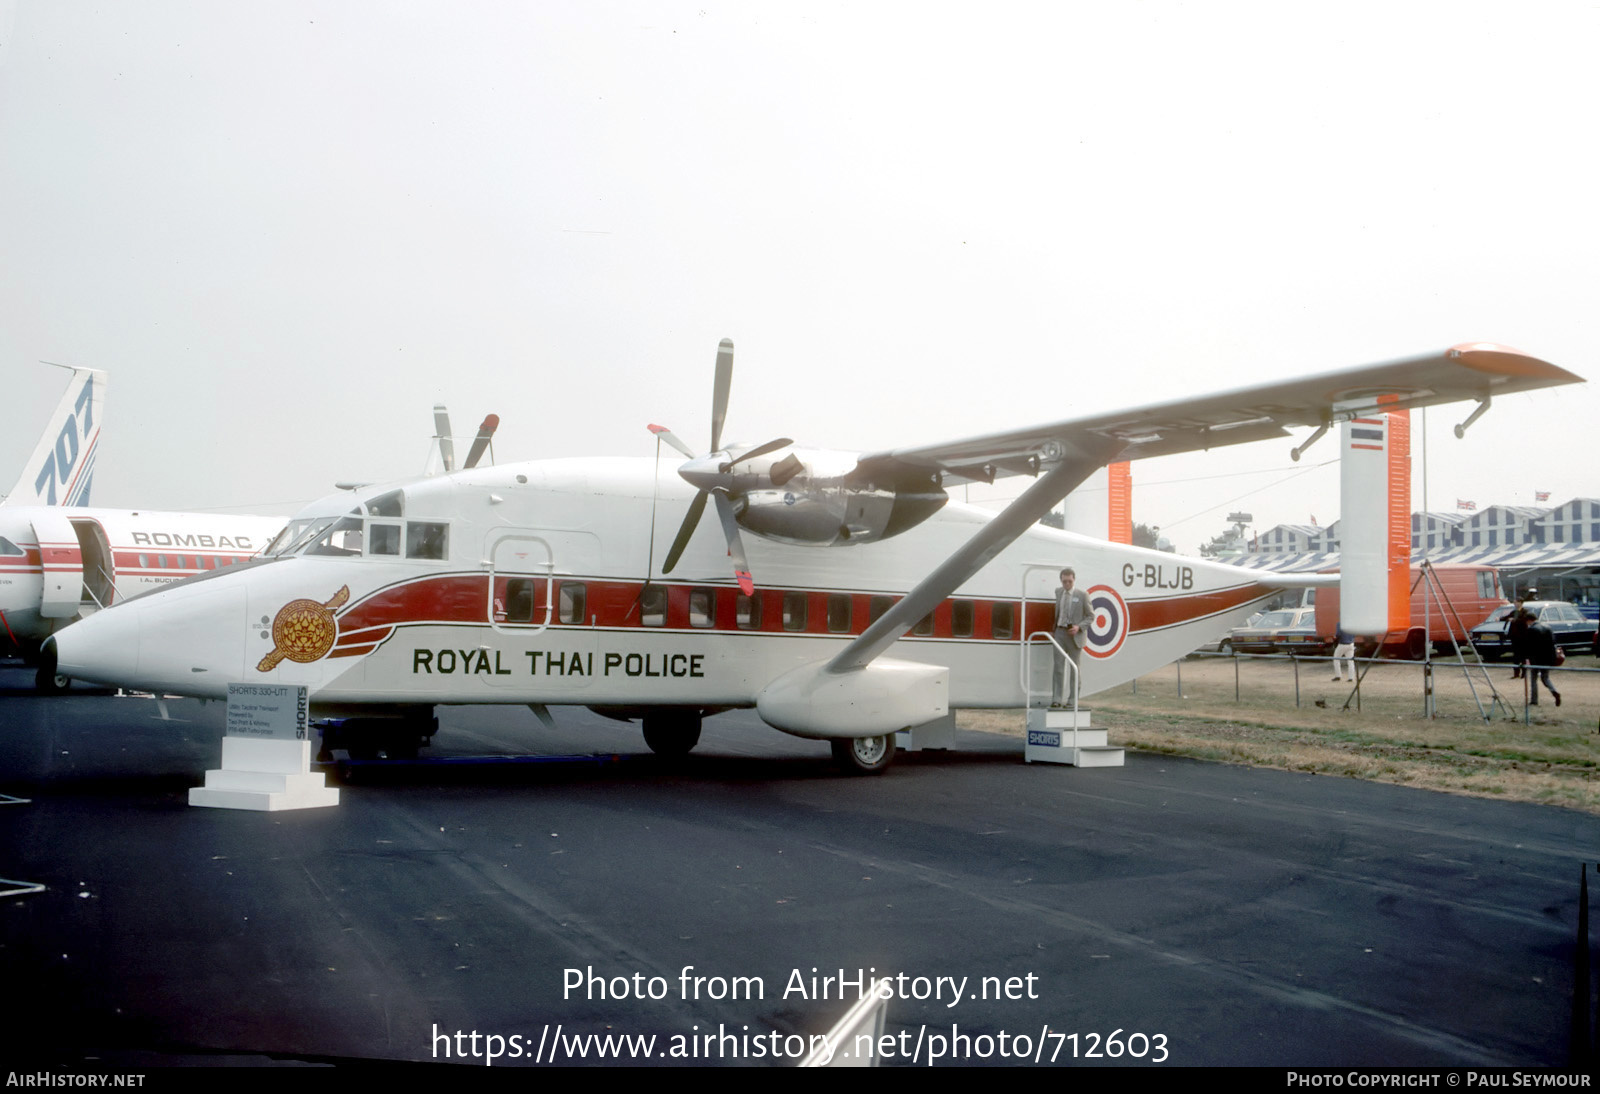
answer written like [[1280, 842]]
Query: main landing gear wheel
[[672, 733], [48, 680], [863, 755]]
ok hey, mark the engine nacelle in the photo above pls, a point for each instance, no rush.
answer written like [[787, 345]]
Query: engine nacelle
[[817, 498]]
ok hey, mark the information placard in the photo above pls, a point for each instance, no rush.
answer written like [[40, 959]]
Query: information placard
[[268, 712]]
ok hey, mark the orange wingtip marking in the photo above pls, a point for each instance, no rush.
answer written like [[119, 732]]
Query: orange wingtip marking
[[1505, 361]]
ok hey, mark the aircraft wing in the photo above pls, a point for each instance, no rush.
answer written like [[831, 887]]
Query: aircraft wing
[[1473, 371], [1068, 452]]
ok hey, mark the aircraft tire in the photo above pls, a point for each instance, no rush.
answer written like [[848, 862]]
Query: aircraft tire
[[863, 755], [47, 682], [672, 733], [1225, 647]]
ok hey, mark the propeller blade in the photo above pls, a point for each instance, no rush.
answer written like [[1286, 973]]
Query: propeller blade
[[685, 531], [730, 529], [447, 444], [719, 392], [672, 439], [481, 441], [759, 450]]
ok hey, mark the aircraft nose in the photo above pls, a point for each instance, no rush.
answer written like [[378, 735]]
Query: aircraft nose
[[101, 654], [181, 640]]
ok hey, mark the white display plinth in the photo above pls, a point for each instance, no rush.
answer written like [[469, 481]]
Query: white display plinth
[[1052, 740], [268, 775], [939, 733]]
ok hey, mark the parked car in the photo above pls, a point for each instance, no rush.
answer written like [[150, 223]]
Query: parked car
[[1288, 630], [1223, 643], [1572, 630]]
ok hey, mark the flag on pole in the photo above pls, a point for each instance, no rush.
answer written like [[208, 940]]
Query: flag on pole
[[1541, 495], [1466, 504]]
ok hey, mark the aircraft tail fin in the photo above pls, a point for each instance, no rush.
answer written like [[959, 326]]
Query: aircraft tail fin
[[61, 469]]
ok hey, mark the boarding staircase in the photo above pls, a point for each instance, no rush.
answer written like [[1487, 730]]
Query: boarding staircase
[[1061, 735]]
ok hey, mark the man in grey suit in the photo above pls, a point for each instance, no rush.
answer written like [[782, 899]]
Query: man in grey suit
[[1071, 634]]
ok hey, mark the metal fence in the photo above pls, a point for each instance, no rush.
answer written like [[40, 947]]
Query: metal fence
[[1441, 687]]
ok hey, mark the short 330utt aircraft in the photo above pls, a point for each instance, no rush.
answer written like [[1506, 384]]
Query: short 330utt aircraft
[[838, 594]]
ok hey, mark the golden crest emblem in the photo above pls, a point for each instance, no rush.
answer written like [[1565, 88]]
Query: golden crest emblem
[[304, 630]]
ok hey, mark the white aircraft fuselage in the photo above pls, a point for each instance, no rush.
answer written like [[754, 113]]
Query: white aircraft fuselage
[[540, 596]]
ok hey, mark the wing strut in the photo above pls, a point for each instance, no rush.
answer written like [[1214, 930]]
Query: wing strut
[[1483, 406], [994, 537]]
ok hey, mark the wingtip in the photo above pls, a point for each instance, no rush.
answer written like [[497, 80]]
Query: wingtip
[[1491, 357]]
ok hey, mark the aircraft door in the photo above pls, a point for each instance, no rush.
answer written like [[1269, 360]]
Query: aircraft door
[[62, 560], [543, 640], [521, 582], [99, 565], [1040, 580]]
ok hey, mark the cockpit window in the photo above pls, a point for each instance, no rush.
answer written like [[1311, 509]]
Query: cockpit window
[[392, 504], [427, 539], [296, 534], [344, 538], [383, 539], [9, 548]]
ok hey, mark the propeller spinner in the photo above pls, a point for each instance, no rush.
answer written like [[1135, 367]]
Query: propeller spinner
[[713, 476]]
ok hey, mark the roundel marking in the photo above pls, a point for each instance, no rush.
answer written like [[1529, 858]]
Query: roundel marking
[[1108, 622]]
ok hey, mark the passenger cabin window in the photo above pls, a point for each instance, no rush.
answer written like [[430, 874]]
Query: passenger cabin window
[[1002, 621], [571, 602], [519, 600], [747, 613], [877, 606], [924, 626], [963, 614], [383, 539], [702, 611], [653, 606], [427, 539], [794, 611], [9, 548], [839, 613]]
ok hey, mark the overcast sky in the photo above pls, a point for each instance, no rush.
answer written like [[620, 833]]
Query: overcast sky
[[287, 229]]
